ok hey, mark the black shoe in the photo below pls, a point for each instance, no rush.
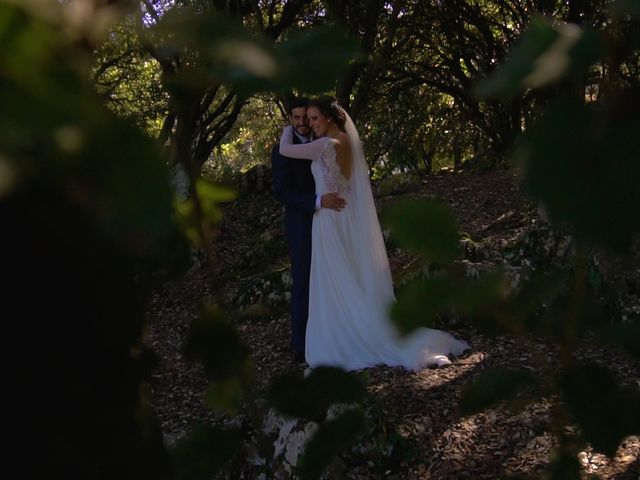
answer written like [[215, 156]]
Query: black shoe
[[298, 357]]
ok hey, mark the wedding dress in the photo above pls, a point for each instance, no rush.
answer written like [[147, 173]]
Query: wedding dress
[[350, 289]]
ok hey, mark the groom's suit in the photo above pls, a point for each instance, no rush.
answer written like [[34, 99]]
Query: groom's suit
[[293, 186]]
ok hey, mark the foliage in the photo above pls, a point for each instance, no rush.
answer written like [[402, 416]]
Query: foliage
[[86, 212], [201, 455], [310, 398], [579, 160], [128, 80], [424, 76], [249, 142]]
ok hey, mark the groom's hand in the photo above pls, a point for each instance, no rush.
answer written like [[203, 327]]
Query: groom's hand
[[332, 201]]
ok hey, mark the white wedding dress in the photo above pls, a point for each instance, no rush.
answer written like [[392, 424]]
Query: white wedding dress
[[350, 288]]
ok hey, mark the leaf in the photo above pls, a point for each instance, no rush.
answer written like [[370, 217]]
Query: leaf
[[493, 387], [61, 135], [211, 196], [213, 340], [587, 176], [310, 397], [420, 303], [311, 68], [427, 227], [227, 52], [220, 49], [605, 412], [225, 395], [187, 219], [546, 53], [204, 452], [331, 438], [507, 80]]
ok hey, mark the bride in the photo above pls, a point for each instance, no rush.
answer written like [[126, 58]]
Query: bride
[[350, 289]]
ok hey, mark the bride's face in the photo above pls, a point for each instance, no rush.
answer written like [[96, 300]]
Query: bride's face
[[318, 122]]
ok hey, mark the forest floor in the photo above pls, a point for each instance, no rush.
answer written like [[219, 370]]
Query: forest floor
[[419, 430]]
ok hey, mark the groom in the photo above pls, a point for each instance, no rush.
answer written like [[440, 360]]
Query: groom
[[294, 187]]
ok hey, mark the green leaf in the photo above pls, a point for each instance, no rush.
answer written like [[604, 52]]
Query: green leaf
[[427, 227], [219, 48], [421, 302], [225, 395], [211, 196], [587, 176], [187, 219], [605, 412], [331, 438], [25, 54], [313, 69], [493, 387], [541, 288], [225, 51], [214, 341], [310, 397], [204, 452], [507, 80], [546, 53], [60, 134]]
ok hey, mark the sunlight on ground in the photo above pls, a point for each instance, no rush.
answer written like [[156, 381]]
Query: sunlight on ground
[[628, 453]]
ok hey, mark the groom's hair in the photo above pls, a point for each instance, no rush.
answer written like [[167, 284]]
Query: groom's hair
[[297, 102]]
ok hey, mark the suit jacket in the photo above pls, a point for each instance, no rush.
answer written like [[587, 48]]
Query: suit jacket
[[293, 186]]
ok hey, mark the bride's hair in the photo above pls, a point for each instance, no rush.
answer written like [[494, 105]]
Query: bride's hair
[[329, 107]]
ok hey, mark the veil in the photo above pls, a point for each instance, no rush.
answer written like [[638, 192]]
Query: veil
[[371, 262]]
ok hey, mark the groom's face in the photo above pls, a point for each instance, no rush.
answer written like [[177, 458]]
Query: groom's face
[[300, 121]]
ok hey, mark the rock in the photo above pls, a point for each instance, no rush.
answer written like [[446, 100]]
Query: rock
[[291, 435]]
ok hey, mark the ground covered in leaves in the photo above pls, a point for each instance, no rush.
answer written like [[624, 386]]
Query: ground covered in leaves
[[415, 429]]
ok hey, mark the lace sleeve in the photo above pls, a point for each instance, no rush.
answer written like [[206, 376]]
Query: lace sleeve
[[309, 151]]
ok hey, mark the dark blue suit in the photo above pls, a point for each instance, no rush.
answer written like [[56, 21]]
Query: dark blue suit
[[294, 187]]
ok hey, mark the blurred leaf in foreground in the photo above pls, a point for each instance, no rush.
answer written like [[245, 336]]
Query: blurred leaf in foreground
[[545, 54], [225, 395], [605, 412], [311, 397], [204, 451], [223, 50], [211, 196], [421, 303], [427, 227], [314, 58], [588, 176], [331, 438], [214, 341], [493, 387]]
